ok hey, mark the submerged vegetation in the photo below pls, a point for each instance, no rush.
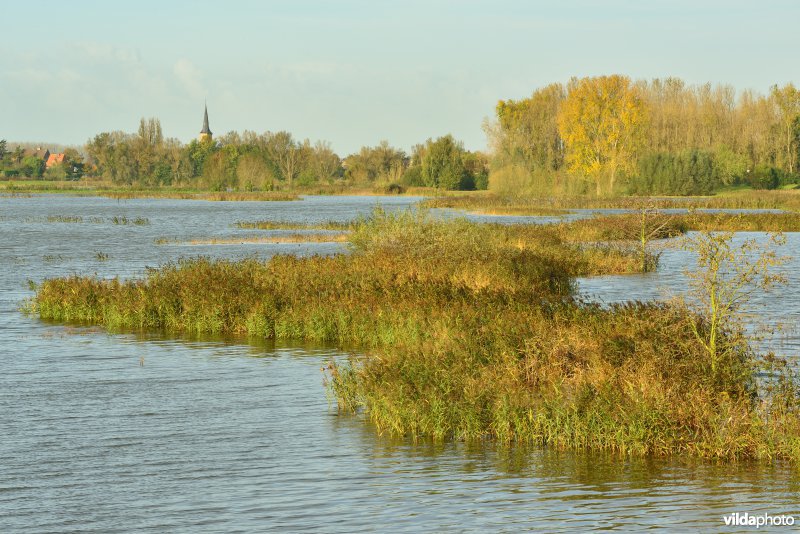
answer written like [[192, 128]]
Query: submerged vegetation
[[472, 331], [124, 221]]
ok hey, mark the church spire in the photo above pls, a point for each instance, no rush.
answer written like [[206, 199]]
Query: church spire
[[205, 133]]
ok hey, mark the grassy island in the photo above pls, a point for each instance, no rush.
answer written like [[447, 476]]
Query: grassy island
[[472, 331]]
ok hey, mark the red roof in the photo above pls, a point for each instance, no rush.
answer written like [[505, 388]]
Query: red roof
[[54, 159]]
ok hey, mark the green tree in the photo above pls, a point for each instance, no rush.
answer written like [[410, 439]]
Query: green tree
[[528, 129], [286, 153], [443, 165], [197, 153], [32, 167], [18, 154], [730, 165], [55, 172], [73, 164]]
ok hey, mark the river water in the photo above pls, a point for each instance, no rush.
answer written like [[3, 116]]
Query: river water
[[108, 432]]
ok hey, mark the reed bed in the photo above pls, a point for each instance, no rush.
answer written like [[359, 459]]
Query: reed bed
[[222, 196], [742, 222], [494, 204], [338, 237], [628, 226], [290, 225], [470, 331]]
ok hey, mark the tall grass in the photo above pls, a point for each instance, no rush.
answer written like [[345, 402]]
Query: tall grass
[[492, 203], [337, 237], [470, 331], [201, 195], [289, 225]]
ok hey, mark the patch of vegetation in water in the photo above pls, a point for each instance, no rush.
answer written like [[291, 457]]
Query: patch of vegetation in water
[[472, 331], [137, 221], [64, 219]]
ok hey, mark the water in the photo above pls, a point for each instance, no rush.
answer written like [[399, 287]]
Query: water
[[214, 435], [776, 311]]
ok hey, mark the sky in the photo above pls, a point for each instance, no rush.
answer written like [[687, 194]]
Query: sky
[[356, 72]]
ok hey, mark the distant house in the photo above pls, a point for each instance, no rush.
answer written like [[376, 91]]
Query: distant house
[[38, 152], [54, 159]]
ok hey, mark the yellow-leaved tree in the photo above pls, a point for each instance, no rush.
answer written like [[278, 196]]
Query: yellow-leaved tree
[[602, 122]]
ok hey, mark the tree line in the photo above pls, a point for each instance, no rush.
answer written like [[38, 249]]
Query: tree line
[[609, 134], [276, 160], [601, 135]]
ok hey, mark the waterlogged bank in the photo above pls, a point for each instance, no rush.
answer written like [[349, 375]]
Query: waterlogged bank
[[473, 333], [215, 434]]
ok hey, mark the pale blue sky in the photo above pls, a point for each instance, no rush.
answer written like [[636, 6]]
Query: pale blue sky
[[355, 72]]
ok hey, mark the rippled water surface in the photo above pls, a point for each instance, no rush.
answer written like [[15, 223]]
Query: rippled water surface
[[223, 436]]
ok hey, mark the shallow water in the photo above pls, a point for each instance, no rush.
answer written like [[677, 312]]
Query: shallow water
[[221, 435], [774, 315]]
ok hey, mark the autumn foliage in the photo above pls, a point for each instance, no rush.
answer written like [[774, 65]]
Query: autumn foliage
[[602, 123], [609, 134]]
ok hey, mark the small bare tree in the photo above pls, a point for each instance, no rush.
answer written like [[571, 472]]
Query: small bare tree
[[642, 228], [726, 278]]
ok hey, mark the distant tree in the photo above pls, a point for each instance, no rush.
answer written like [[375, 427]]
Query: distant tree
[[73, 164], [528, 129], [602, 123], [286, 153], [730, 165], [254, 173], [379, 163], [55, 172], [3, 149], [197, 152], [476, 165], [18, 154], [763, 177], [412, 177], [787, 100], [150, 131], [112, 154], [690, 172], [443, 165], [32, 167], [324, 161]]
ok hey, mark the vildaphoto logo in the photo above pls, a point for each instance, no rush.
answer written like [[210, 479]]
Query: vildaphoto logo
[[746, 519]]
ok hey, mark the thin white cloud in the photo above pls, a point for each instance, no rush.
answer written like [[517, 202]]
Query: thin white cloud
[[106, 52]]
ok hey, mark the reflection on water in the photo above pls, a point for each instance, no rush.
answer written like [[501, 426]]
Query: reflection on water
[[136, 431]]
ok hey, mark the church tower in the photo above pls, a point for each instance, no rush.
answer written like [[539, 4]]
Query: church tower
[[205, 133]]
